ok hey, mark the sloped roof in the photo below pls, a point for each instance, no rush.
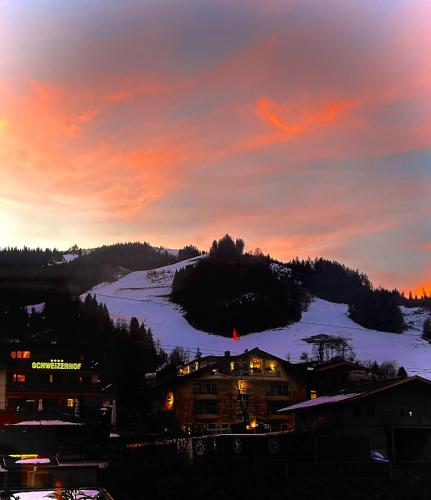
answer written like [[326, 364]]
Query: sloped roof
[[319, 401], [367, 390]]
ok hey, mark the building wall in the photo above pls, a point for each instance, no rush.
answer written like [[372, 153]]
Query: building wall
[[3, 379], [72, 385], [265, 392], [380, 417]]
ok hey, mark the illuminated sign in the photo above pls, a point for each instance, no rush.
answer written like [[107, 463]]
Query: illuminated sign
[[55, 364]]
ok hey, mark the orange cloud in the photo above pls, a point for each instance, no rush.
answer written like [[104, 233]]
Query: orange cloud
[[306, 119]]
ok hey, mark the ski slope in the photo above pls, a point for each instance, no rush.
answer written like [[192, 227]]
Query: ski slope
[[144, 294]]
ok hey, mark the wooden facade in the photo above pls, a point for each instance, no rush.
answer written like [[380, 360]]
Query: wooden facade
[[218, 393]]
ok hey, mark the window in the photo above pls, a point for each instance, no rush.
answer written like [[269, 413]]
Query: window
[[23, 354], [270, 365], [70, 402], [202, 406], [242, 397], [204, 389], [51, 378], [256, 365], [313, 394], [278, 390], [20, 354], [18, 377]]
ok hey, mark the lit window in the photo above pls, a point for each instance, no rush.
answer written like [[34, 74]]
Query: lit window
[[13, 354], [313, 394], [51, 378], [23, 354], [271, 365], [18, 377], [256, 364], [232, 365], [70, 402]]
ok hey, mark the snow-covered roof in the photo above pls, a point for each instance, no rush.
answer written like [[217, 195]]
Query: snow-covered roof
[[33, 461], [321, 401], [47, 422], [43, 494]]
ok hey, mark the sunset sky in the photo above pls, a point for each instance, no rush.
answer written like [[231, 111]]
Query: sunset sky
[[302, 126]]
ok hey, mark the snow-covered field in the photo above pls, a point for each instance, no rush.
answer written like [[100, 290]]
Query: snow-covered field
[[69, 257], [144, 294]]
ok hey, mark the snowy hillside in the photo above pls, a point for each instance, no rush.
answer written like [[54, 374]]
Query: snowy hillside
[[144, 294]]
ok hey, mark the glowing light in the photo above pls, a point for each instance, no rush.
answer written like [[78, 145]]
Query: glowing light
[[235, 335], [242, 386], [55, 364], [169, 403]]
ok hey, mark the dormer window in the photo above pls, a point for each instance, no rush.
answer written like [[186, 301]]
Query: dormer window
[[271, 365], [256, 365]]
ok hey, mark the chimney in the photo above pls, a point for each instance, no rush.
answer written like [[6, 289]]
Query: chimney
[[227, 354]]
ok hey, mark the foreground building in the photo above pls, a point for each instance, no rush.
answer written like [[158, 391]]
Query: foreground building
[[220, 393], [38, 381], [394, 415]]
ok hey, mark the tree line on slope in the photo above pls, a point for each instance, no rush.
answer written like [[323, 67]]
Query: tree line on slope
[[232, 289], [374, 308], [32, 276]]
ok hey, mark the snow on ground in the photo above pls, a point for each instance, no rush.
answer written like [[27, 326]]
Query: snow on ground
[[171, 251], [37, 307], [44, 494], [144, 294], [46, 422], [68, 257]]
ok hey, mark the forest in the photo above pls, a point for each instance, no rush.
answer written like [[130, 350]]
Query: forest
[[230, 289], [252, 292]]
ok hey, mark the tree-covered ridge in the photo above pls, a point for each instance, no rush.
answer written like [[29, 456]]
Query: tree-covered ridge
[[25, 258], [231, 289], [33, 276], [254, 292], [377, 309]]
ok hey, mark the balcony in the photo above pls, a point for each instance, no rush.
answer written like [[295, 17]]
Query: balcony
[[256, 372]]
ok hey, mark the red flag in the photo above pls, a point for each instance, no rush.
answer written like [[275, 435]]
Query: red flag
[[235, 335]]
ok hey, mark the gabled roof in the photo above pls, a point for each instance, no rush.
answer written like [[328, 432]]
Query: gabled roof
[[219, 362], [367, 390]]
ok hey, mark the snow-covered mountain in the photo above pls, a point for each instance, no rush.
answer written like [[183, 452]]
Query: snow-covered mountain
[[144, 294]]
